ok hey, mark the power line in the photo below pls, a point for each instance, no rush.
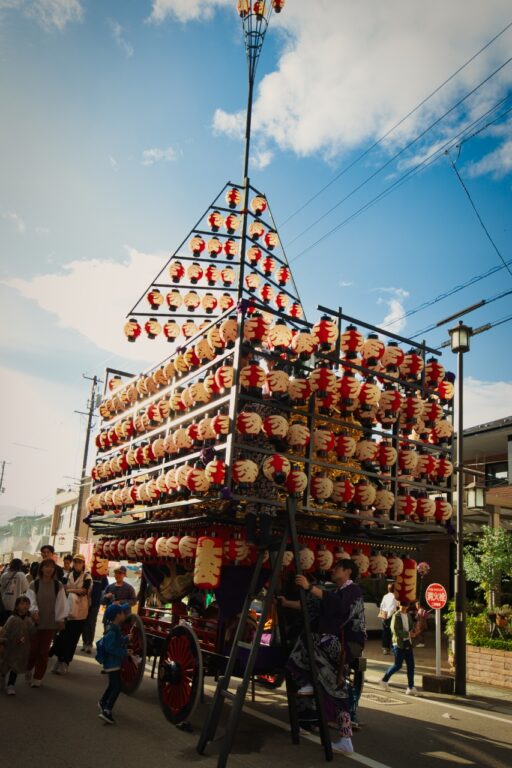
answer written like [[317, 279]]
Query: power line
[[481, 329], [394, 157], [434, 155], [477, 214], [478, 305], [394, 127]]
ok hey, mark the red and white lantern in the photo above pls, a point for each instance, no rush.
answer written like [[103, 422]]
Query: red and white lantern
[[132, 329], [326, 333], [176, 271], [276, 468]]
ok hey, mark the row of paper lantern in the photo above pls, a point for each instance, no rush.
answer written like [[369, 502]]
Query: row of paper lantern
[[244, 7]]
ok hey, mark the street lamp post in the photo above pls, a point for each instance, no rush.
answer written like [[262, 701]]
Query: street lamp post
[[459, 340]]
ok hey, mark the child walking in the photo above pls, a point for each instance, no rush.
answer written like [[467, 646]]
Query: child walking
[[15, 638], [112, 648]]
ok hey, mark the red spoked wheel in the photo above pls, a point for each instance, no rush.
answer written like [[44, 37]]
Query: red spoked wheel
[[180, 674], [132, 668]]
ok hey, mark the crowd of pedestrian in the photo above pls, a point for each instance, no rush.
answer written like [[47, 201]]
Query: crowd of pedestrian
[[44, 610]]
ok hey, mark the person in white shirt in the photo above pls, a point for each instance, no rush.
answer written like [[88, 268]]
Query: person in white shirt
[[403, 634], [13, 584], [388, 606]]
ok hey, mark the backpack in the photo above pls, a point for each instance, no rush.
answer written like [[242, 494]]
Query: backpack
[[101, 654]]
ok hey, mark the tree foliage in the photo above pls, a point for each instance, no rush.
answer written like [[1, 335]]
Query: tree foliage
[[489, 560]]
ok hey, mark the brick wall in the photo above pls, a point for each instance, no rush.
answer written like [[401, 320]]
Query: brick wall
[[489, 667]]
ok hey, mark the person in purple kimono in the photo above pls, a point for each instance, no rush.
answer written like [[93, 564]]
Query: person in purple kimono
[[339, 633]]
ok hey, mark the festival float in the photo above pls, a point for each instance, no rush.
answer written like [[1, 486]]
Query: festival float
[[335, 432]]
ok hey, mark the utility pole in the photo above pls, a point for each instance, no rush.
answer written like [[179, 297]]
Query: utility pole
[[83, 475]]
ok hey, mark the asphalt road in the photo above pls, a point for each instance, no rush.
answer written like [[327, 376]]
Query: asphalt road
[[58, 724]]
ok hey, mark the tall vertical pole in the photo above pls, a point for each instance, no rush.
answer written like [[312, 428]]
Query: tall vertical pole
[[460, 586], [83, 473]]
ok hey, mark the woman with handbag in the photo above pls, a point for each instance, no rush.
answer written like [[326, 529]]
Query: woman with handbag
[[78, 586], [403, 633]]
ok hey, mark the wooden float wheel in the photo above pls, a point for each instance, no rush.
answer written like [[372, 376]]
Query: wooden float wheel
[[180, 674], [133, 666]]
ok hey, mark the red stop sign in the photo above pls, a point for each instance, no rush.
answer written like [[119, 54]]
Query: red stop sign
[[436, 596]]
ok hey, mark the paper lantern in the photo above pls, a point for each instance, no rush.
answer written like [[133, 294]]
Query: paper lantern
[[296, 482], [275, 427], [324, 558], [351, 342], [279, 337], [443, 509], [209, 303], [183, 440], [258, 205], [345, 446], [206, 431], [323, 441], [215, 340], [384, 501], [157, 446], [174, 299], [276, 468], [283, 275], [193, 432], [252, 281], [208, 562], [176, 271], [215, 472], [256, 230], [233, 197], [298, 436], [191, 300], [226, 302], [322, 380], [395, 565], [407, 460], [304, 345], [171, 330], [197, 245], [406, 504], [321, 487], [173, 543], [231, 248], [278, 5], [199, 393], [378, 564], [426, 465], [256, 329], [277, 382], [425, 507], [162, 485], [282, 301], [366, 452], [187, 546], [169, 370], [386, 455], [412, 408], [271, 241], [215, 221], [267, 293], [197, 481], [343, 492], [155, 298], [252, 378], [132, 329], [235, 550], [152, 328], [220, 424], [442, 433], [390, 403], [412, 366], [245, 472], [306, 559], [150, 546], [365, 494], [299, 391], [268, 265], [326, 333], [254, 255], [405, 585], [392, 358], [161, 546], [368, 395], [445, 391], [348, 391], [372, 351], [361, 560], [249, 423], [211, 385], [139, 547], [203, 352], [181, 477], [444, 468], [434, 372], [232, 223], [224, 377], [229, 332], [296, 310]]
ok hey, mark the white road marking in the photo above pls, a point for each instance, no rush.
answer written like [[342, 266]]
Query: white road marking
[[458, 708]]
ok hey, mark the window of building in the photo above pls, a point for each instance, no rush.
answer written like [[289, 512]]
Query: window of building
[[496, 473]]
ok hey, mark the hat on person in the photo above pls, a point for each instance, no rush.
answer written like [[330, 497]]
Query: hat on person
[[78, 556], [120, 569], [114, 610]]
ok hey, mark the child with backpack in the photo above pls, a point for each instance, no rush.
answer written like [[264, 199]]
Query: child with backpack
[[49, 609], [112, 648], [15, 639]]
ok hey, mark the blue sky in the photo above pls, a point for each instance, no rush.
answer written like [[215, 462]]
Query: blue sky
[[121, 123]]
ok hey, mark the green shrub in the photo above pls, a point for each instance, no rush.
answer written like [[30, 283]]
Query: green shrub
[[498, 645]]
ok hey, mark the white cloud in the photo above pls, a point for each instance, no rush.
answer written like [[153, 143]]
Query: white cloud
[[186, 10], [261, 158], [349, 71], [92, 297], [38, 413], [345, 284], [117, 31], [15, 219], [499, 161], [49, 14], [154, 155], [231, 124], [486, 401], [113, 163], [394, 319], [42, 230]]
